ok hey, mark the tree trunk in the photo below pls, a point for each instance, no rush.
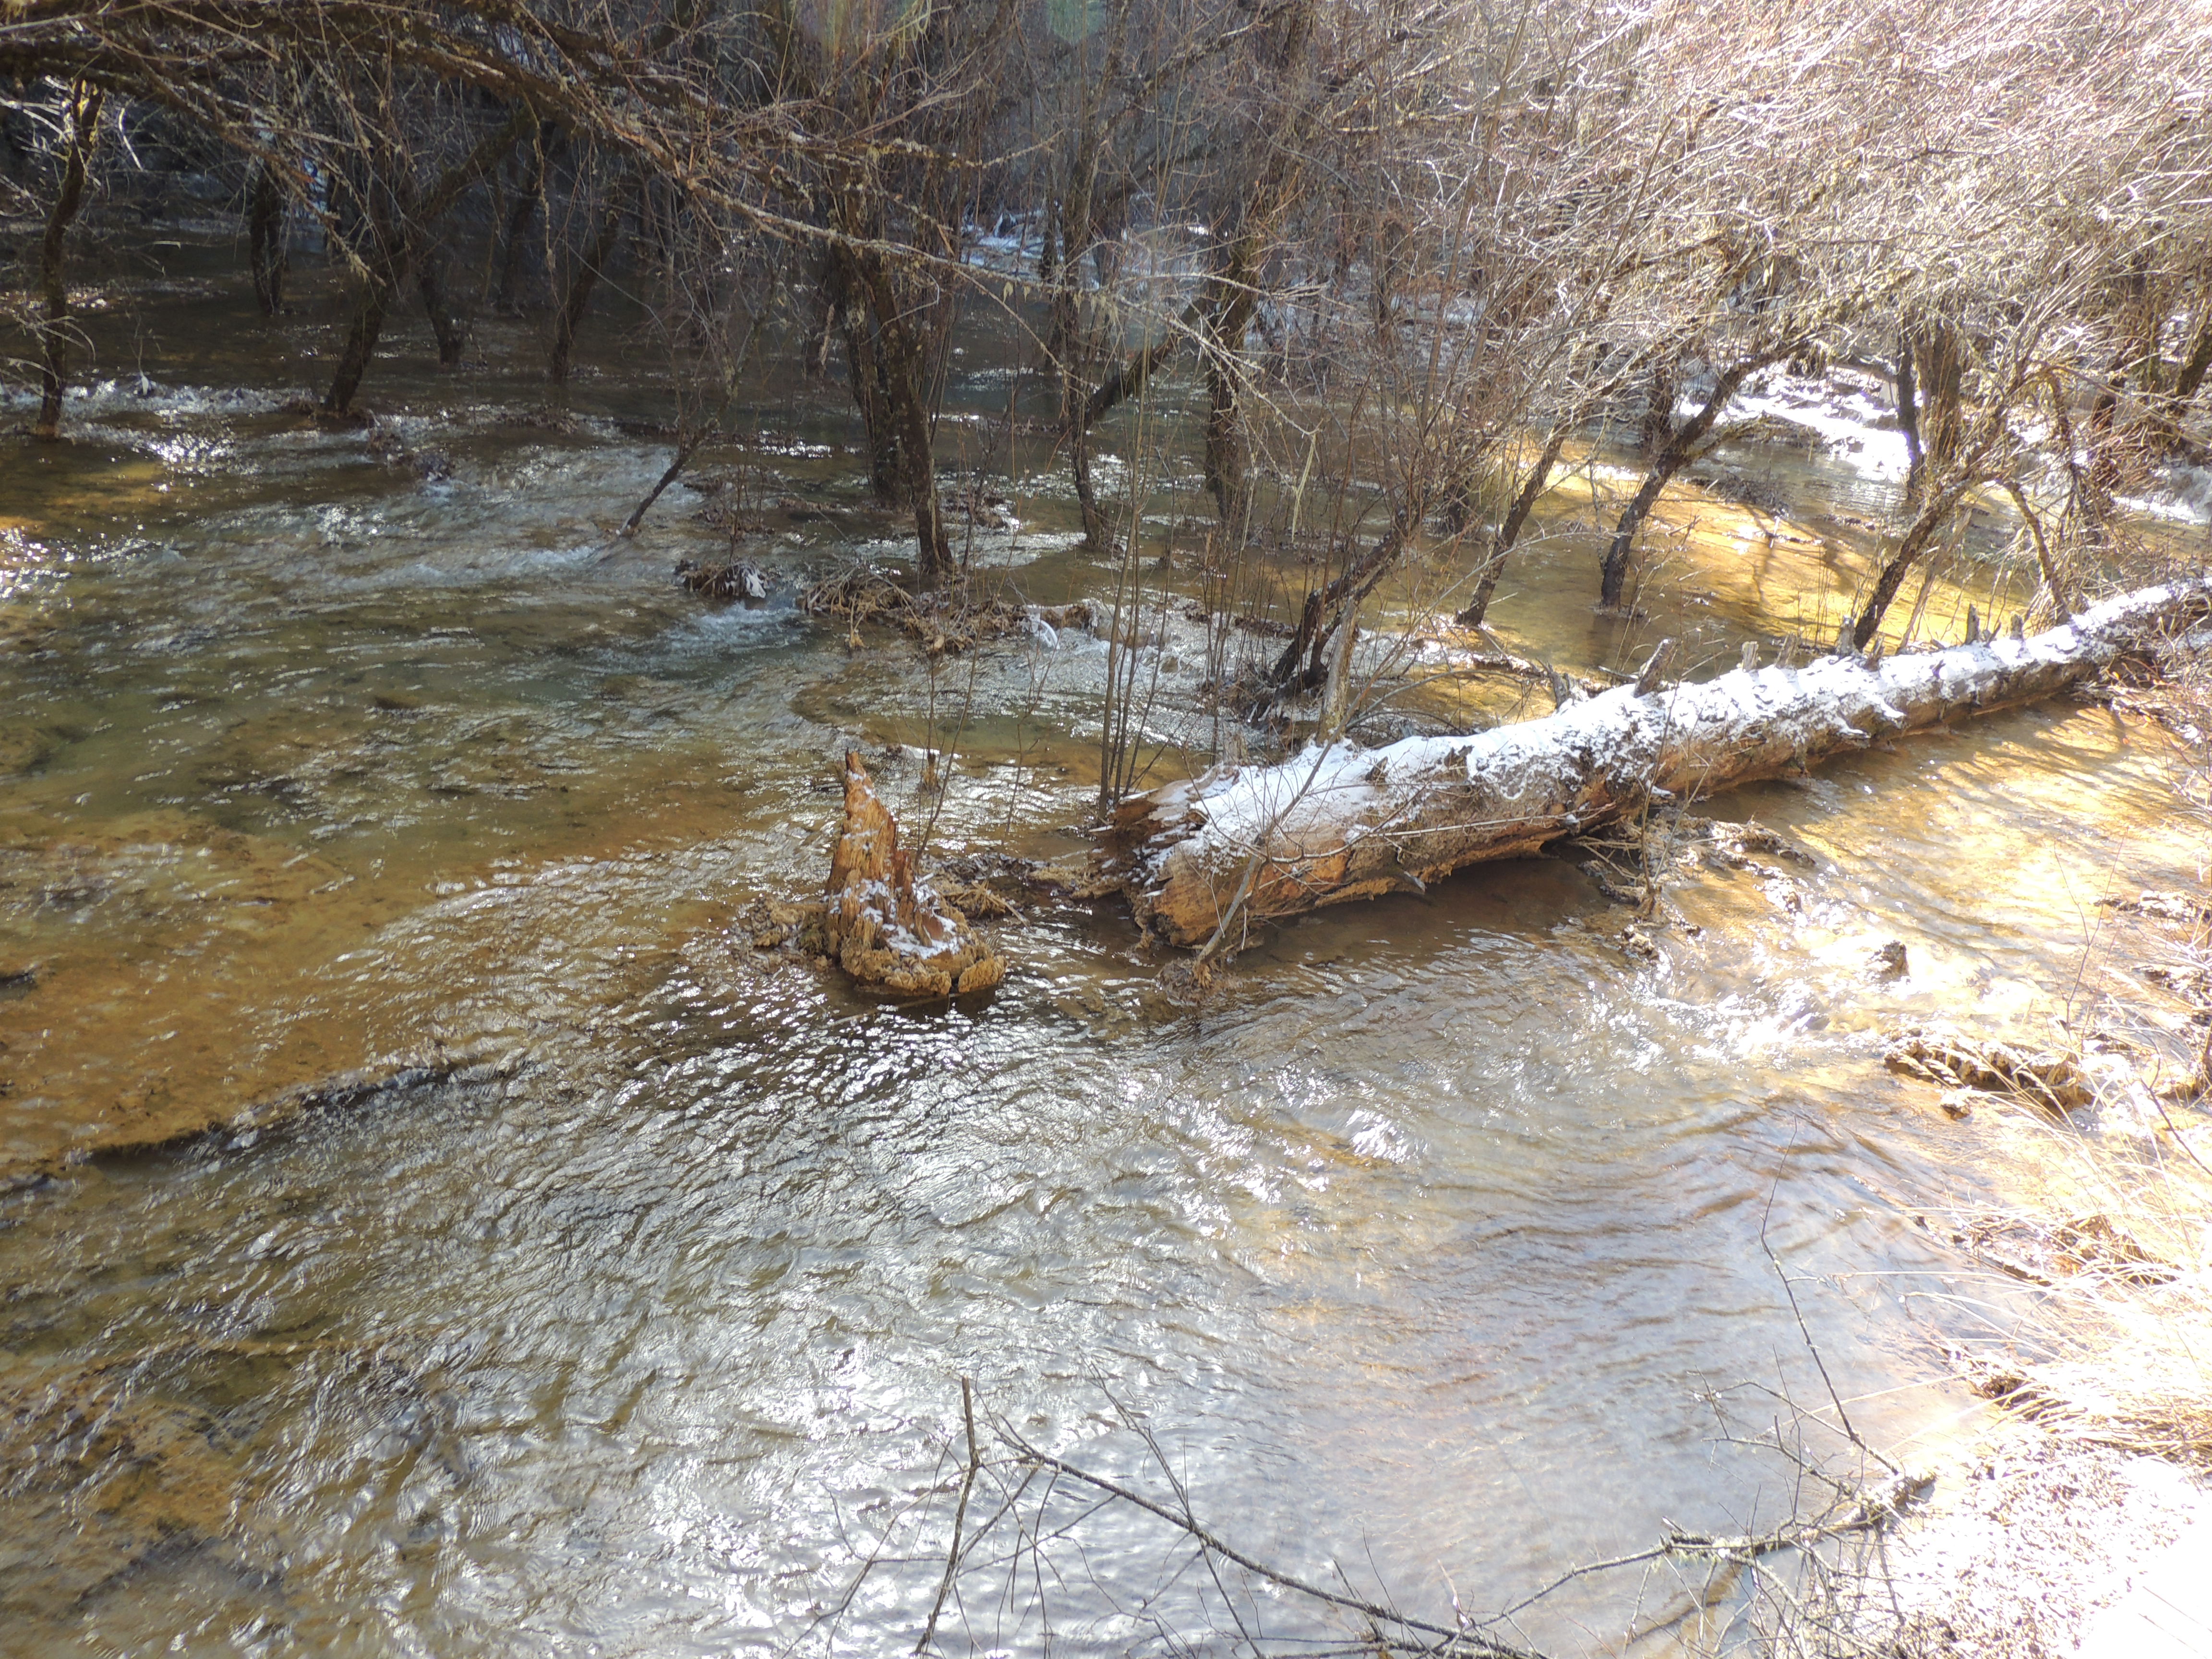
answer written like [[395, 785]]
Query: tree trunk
[[1203, 861], [265, 243], [85, 104], [452, 331], [568, 316], [527, 201], [1908, 419], [1509, 532], [1932, 515], [1672, 460]]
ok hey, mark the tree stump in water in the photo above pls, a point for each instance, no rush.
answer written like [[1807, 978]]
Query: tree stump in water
[[1202, 860], [885, 929]]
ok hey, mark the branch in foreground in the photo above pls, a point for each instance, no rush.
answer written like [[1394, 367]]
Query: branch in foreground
[[1867, 1510]]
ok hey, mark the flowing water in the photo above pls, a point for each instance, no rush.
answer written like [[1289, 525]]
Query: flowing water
[[1417, 1249]]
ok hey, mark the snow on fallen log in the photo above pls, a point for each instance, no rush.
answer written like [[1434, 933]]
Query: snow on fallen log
[[1240, 845]]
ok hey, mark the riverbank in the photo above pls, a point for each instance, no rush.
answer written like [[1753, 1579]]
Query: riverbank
[[2080, 1521], [2039, 1545]]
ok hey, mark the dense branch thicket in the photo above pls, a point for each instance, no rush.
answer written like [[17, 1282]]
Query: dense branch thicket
[[1394, 257]]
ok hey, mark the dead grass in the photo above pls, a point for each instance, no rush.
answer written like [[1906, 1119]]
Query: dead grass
[[2053, 1079], [2115, 1350]]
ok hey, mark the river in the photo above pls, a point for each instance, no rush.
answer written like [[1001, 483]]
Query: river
[[1417, 1247]]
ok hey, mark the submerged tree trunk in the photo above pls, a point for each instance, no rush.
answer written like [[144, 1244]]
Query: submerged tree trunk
[[1202, 861], [1304, 664], [894, 340], [394, 241], [546, 145], [1509, 532], [1097, 530], [361, 335], [1908, 419], [265, 239], [1072, 344], [85, 104], [845, 299], [1232, 292], [1080, 413], [568, 315], [2170, 407], [908, 381], [1228, 452], [1940, 377], [2193, 367], [1658, 427], [1910, 550], [1135, 371], [2104, 410], [1228, 455], [451, 330], [1680, 449], [822, 326]]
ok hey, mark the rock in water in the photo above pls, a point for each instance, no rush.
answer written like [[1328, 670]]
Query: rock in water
[[885, 929]]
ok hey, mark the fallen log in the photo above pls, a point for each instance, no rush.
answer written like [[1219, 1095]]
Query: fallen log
[[1202, 860]]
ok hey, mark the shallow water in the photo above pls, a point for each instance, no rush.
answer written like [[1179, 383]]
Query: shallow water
[[1415, 1248]]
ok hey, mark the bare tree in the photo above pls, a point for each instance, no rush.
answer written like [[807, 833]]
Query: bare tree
[[77, 122]]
